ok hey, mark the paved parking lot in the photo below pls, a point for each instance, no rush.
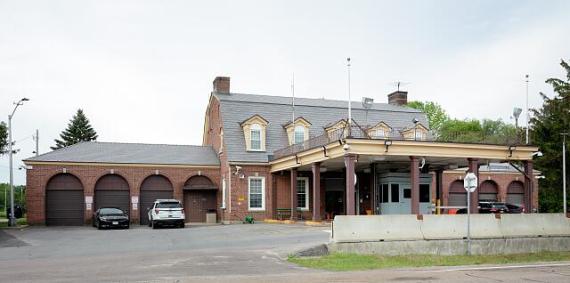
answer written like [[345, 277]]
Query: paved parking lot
[[79, 253], [236, 253]]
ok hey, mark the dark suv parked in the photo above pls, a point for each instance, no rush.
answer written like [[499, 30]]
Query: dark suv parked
[[488, 207]]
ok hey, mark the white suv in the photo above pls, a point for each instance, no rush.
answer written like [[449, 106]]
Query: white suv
[[166, 212]]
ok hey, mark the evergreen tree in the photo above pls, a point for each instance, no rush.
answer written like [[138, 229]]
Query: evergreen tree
[[552, 119], [78, 130]]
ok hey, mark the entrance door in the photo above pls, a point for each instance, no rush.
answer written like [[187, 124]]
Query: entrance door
[[334, 203], [200, 197], [198, 203]]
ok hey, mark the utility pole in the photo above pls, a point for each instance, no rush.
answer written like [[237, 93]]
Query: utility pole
[[12, 216]]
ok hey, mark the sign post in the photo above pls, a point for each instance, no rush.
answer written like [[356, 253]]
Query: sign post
[[470, 185]]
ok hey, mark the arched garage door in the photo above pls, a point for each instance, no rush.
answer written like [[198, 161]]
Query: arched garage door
[[112, 191], [153, 188], [457, 194], [488, 191], [515, 193], [65, 204], [199, 198]]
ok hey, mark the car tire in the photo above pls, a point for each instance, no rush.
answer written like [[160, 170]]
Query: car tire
[[181, 225], [150, 223], [99, 226], [153, 224]]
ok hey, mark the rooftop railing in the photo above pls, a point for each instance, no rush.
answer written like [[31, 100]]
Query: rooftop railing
[[355, 131]]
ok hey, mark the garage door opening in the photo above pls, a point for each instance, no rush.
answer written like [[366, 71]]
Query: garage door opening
[[199, 198], [488, 191], [153, 188], [112, 191], [515, 193], [457, 195], [65, 204]]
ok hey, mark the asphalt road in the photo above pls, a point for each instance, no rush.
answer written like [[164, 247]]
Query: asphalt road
[[236, 253]]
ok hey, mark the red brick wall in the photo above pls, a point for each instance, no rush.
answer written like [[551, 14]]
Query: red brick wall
[[39, 176], [501, 179], [283, 192], [237, 209], [213, 137]]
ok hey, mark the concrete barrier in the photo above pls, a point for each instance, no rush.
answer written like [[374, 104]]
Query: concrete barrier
[[438, 227], [535, 225], [455, 247], [376, 228], [483, 226]]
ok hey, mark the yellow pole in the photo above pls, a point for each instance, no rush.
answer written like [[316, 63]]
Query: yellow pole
[[438, 208]]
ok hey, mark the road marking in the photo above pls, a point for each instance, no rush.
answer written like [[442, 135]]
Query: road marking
[[502, 267], [327, 231]]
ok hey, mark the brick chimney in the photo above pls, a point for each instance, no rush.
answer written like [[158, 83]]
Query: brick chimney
[[222, 84], [398, 98]]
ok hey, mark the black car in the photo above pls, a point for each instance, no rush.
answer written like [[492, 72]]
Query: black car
[[492, 207], [110, 217], [488, 207], [513, 208]]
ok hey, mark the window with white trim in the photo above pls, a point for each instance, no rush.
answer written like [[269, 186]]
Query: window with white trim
[[303, 193], [419, 135], [299, 135], [255, 137], [380, 133], [256, 192]]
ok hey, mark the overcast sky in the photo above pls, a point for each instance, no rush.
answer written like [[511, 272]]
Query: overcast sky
[[143, 70]]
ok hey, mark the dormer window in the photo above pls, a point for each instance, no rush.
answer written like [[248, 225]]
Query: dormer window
[[379, 131], [255, 134], [337, 130], [299, 134], [418, 133], [254, 131], [298, 131]]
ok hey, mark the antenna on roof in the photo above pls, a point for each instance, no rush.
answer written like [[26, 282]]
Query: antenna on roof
[[398, 84]]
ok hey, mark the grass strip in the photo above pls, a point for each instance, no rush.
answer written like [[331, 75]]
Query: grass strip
[[349, 262]]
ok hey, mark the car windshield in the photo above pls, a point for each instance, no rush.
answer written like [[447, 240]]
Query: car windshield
[[172, 204], [110, 211]]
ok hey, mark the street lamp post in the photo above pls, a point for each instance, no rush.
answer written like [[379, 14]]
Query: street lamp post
[[12, 216]]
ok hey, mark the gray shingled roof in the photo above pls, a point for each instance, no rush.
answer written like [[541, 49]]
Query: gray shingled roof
[[132, 153], [237, 107]]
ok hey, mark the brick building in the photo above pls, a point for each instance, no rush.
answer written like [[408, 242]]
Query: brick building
[[268, 157]]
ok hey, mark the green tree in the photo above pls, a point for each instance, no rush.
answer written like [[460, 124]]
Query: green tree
[[547, 124], [436, 115], [3, 137], [78, 130]]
